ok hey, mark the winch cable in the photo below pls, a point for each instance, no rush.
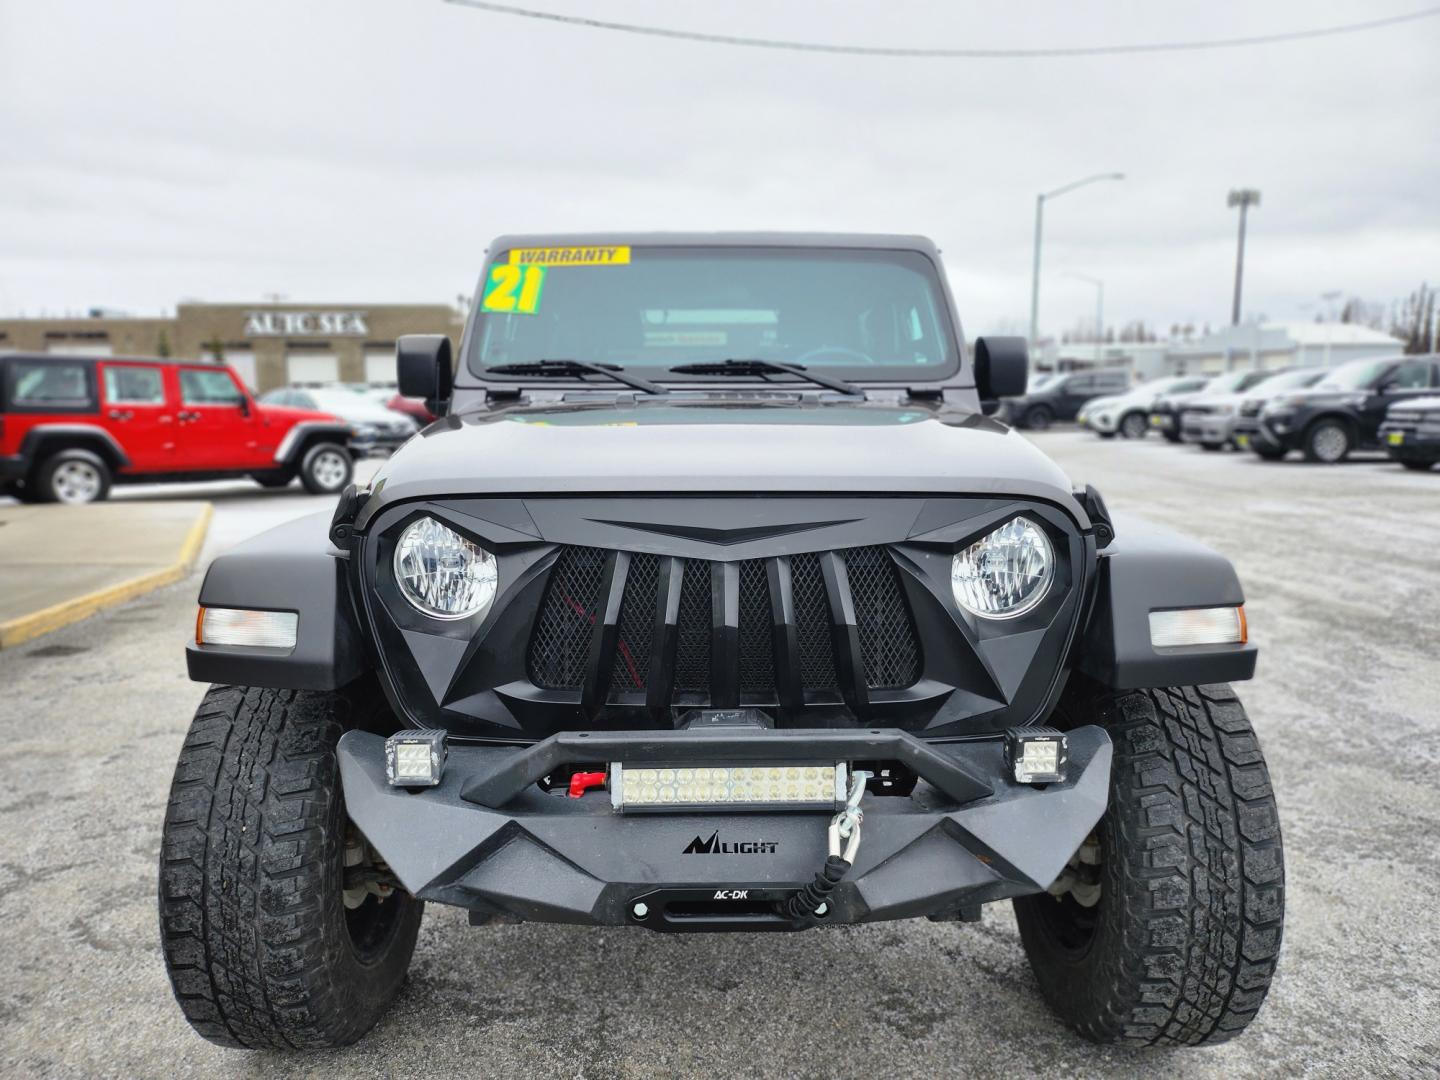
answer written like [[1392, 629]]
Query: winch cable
[[809, 904]]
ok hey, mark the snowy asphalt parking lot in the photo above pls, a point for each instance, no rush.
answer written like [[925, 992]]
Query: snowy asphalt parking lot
[[1341, 567]]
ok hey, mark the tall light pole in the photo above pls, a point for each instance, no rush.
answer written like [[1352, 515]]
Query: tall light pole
[[1244, 198], [1099, 309], [1039, 226]]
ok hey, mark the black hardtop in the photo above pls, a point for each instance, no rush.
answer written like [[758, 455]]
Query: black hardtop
[[798, 240], [73, 358]]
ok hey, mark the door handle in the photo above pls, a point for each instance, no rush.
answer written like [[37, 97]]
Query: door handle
[[183, 416], [120, 414]]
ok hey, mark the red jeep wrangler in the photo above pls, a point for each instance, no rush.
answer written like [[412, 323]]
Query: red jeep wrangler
[[72, 426]]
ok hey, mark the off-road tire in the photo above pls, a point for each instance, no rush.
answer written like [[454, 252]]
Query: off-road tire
[[50, 481], [317, 477], [1317, 447], [273, 479], [254, 929], [1133, 425], [1184, 939], [1037, 418]]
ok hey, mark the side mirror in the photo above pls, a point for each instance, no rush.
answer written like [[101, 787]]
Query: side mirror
[[424, 369], [1001, 370]]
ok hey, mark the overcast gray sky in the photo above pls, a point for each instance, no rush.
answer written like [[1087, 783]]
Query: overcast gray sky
[[366, 150]]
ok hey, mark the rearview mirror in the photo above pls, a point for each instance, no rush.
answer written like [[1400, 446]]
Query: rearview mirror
[[423, 369], [1001, 370]]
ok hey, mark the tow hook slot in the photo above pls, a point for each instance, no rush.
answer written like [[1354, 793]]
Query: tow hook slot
[[716, 908]]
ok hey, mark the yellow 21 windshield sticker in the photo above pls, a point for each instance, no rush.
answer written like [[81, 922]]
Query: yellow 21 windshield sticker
[[600, 255], [513, 290]]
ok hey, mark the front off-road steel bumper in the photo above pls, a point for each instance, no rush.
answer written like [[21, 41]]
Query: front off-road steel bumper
[[489, 839]]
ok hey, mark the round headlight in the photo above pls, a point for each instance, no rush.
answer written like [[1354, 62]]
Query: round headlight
[[443, 574], [1006, 573]]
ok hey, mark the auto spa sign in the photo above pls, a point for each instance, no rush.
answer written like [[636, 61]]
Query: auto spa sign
[[305, 324]]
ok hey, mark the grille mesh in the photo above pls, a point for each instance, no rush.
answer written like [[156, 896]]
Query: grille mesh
[[812, 624], [888, 645], [757, 656], [692, 652], [563, 631], [560, 643], [637, 626]]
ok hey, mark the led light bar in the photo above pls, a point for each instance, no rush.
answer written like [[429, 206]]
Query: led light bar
[[1198, 626], [415, 758], [1035, 755], [237, 626], [725, 787]]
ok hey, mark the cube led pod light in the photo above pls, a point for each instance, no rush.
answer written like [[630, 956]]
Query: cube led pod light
[[415, 758], [1035, 755], [643, 787]]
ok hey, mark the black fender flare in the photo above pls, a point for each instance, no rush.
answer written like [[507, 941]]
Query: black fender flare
[[42, 440], [1146, 568], [292, 567], [291, 451]]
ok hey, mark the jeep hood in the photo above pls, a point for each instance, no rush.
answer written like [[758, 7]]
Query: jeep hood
[[708, 446]]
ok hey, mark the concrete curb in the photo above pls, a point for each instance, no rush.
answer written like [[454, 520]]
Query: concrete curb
[[26, 627]]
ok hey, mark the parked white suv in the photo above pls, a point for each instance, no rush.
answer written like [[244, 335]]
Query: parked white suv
[[1128, 414]]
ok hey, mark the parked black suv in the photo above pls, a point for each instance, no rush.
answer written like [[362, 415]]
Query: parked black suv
[[1061, 396], [715, 600], [1344, 410], [1411, 433]]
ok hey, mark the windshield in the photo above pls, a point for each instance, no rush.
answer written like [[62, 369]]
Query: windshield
[[1356, 375], [855, 313], [1043, 382]]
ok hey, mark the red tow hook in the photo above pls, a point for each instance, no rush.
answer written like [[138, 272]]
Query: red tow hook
[[582, 782]]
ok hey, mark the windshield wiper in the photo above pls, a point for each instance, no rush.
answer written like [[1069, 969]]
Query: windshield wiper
[[560, 368], [766, 367]]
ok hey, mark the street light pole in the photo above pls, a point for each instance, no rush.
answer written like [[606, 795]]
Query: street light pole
[[1099, 309], [1243, 198], [1039, 228]]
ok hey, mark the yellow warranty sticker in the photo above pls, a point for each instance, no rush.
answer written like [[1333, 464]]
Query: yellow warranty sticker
[[600, 255]]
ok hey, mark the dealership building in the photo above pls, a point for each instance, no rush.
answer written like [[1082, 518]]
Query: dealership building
[[268, 345]]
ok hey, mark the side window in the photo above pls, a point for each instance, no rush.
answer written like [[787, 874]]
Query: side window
[[208, 388], [51, 386], [133, 386], [1080, 384], [1413, 375]]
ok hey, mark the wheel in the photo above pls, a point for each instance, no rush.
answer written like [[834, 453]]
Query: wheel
[[273, 480], [264, 946], [1037, 418], [72, 476], [1166, 926], [1212, 447], [1134, 425], [325, 469], [1418, 466], [1328, 442], [1271, 455]]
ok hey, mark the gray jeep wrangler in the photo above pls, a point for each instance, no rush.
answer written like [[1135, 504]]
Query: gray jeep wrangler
[[716, 601]]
